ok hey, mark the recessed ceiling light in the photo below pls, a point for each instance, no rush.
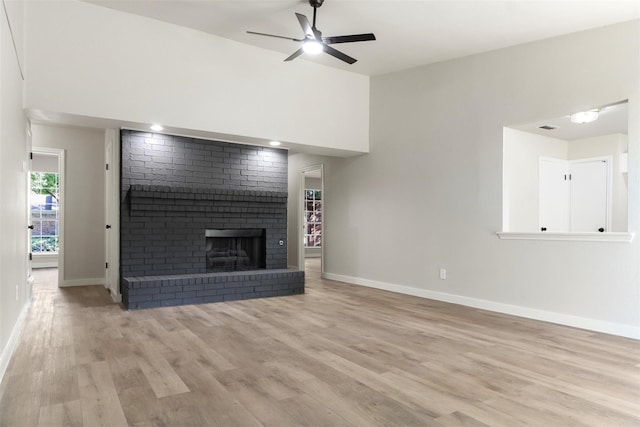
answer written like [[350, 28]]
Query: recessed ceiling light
[[156, 127], [584, 116], [274, 143]]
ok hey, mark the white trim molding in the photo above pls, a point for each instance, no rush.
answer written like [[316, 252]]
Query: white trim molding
[[61, 153], [12, 343], [82, 282], [595, 325], [301, 187], [611, 237], [44, 260]]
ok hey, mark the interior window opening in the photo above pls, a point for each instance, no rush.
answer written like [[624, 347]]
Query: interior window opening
[[567, 174]]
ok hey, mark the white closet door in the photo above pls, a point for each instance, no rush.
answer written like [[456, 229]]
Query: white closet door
[[553, 199], [589, 188]]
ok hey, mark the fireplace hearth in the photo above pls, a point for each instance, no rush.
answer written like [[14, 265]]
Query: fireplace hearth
[[235, 250]]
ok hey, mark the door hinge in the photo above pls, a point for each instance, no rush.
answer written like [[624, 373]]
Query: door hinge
[[30, 156], [30, 256], [106, 265], [107, 165], [565, 176], [569, 177]]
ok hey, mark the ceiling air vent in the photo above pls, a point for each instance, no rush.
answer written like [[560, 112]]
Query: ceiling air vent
[[547, 127]]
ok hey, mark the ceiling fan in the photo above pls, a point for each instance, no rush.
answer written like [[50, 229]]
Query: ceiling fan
[[313, 42]]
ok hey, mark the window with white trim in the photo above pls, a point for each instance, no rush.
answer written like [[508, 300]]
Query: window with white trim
[[312, 218]]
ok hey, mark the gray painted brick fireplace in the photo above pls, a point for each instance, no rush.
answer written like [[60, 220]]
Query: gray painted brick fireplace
[[175, 190]]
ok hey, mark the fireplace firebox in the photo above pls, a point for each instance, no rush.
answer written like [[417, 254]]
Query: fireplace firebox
[[235, 250]]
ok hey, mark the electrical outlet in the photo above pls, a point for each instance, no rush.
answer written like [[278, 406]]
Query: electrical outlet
[[443, 273]]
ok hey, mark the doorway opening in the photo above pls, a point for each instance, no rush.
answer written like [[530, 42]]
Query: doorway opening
[[46, 209], [312, 201], [575, 195]]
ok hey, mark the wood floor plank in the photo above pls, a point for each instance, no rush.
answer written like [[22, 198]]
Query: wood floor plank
[[460, 419], [98, 396], [139, 403], [161, 377], [582, 412], [261, 406], [20, 404], [59, 379], [305, 411], [339, 355], [67, 414], [207, 396]]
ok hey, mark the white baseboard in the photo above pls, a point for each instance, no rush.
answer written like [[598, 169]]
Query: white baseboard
[[82, 282], [44, 264], [44, 260], [515, 310], [115, 297], [10, 348]]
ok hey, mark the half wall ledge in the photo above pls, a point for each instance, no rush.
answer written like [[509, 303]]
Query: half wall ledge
[[164, 291], [612, 237]]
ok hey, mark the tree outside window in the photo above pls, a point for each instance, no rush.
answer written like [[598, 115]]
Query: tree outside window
[[312, 218], [45, 203]]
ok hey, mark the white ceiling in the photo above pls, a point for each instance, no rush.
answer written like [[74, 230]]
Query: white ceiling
[[611, 119], [409, 33]]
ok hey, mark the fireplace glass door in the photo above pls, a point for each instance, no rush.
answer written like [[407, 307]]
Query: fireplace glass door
[[235, 250]]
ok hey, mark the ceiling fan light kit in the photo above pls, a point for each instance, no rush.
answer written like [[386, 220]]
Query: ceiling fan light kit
[[313, 47], [584, 116], [314, 43]]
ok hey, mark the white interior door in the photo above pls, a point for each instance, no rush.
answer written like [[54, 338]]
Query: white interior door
[[112, 212], [107, 211], [27, 170], [589, 195], [553, 197]]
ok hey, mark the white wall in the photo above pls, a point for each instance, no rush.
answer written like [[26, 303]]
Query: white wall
[[313, 183], [435, 174], [522, 152], [92, 61], [84, 218], [44, 163], [14, 292], [607, 145]]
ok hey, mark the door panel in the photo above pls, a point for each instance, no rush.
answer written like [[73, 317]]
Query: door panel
[[589, 185], [553, 199]]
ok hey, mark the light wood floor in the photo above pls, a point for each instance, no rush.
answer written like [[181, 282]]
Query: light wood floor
[[339, 355]]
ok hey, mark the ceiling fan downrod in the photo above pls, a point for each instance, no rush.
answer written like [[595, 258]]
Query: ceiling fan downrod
[[315, 4]]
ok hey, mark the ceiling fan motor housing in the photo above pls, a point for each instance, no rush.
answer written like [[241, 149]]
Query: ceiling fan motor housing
[[316, 3]]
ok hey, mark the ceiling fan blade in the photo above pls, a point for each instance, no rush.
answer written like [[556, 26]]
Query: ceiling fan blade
[[294, 55], [272, 35], [337, 54], [306, 27], [349, 39]]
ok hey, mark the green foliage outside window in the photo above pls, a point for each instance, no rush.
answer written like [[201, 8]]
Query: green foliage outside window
[[45, 198], [45, 184]]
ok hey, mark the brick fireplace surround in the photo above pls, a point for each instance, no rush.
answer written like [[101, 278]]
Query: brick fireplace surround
[[174, 189]]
